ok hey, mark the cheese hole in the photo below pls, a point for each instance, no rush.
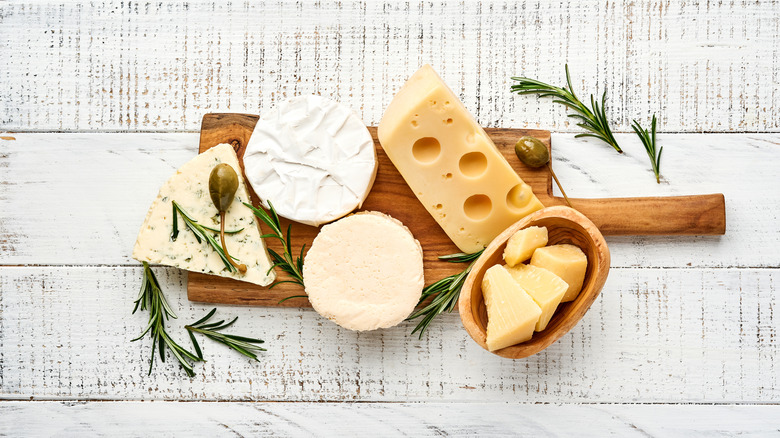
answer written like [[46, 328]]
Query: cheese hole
[[448, 122], [473, 164], [477, 207], [437, 206], [426, 150], [447, 176], [519, 196], [414, 123]]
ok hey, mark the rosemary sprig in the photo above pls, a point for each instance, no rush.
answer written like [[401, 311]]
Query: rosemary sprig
[[445, 292], [293, 268], [243, 345], [151, 297], [201, 233], [594, 120], [648, 140]]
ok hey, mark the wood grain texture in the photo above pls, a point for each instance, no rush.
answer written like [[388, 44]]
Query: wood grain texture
[[681, 319], [80, 199], [701, 66], [687, 215], [382, 419], [564, 226], [654, 335]]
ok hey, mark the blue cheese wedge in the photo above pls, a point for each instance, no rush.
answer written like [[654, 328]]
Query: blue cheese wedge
[[189, 188]]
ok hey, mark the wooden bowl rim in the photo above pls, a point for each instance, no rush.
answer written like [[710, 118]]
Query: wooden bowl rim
[[583, 301]]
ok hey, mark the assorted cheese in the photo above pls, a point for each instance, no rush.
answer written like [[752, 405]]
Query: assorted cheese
[[189, 188], [364, 271], [315, 161], [312, 158], [555, 275], [546, 288], [523, 243], [451, 165], [512, 313], [565, 261]]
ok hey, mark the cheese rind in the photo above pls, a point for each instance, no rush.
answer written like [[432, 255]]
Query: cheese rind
[[451, 165], [364, 271], [546, 288], [312, 158], [523, 243], [565, 261], [189, 188], [512, 313]]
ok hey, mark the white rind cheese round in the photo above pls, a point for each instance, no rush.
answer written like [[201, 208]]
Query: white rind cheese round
[[364, 272], [313, 158]]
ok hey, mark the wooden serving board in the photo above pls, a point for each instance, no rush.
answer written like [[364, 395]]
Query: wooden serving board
[[679, 215]]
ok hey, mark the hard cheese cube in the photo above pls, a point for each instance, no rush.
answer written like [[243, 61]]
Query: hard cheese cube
[[512, 313], [451, 165], [523, 243], [565, 261], [546, 288]]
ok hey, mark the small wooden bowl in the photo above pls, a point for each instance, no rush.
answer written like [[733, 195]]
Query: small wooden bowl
[[564, 225]]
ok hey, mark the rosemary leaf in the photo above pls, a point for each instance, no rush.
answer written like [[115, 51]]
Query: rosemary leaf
[[151, 298], [285, 262], [593, 120], [445, 292], [201, 233], [648, 141], [241, 344]]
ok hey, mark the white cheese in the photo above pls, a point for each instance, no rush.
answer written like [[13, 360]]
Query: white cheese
[[364, 272], [189, 188], [313, 158]]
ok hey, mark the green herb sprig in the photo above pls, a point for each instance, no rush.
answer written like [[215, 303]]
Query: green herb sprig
[[201, 233], [285, 262], [241, 344], [648, 140], [445, 292], [593, 120], [151, 297]]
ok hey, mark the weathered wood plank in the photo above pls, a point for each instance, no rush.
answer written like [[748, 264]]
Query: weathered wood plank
[[702, 66], [81, 198], [654, 335], [119, 419]]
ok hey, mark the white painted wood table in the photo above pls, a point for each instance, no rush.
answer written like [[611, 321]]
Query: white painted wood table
[[102, 101]]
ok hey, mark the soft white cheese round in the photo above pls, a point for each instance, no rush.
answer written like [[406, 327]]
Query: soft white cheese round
[[364, 272], [313, 158]]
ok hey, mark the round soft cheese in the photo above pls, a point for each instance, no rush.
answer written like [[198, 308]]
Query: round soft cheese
[[364, 271], [312, 158]]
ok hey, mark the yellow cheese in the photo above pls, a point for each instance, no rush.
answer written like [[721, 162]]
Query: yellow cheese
[[565, 261], [523, 243], [546, 288], [451, 165], [512, 313]]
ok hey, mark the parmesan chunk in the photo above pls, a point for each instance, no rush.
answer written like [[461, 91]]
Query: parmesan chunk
[[512, 313]]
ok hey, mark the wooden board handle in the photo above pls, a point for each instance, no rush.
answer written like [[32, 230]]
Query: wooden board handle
[[671, 215]]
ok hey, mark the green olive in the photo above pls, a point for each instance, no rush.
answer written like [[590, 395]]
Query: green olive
[[223, 183], [532, 152]]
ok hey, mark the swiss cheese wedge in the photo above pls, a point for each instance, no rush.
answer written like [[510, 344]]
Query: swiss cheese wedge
[[189, 187], [451, 164]]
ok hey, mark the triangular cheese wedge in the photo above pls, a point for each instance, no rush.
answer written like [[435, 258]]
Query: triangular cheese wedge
[[512, 313], [189, 187]]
